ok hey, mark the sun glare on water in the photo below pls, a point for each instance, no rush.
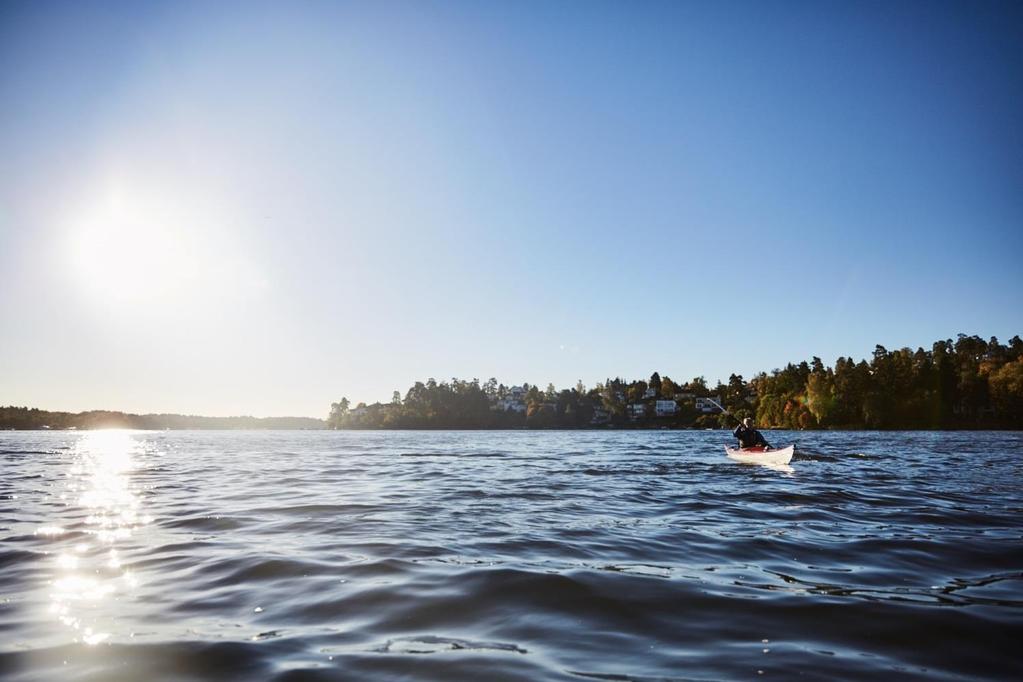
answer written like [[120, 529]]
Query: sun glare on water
[[88, 575]]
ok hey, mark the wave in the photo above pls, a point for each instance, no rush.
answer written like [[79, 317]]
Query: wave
[[509, 555]]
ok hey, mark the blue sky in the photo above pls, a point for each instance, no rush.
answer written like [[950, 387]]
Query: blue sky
[[257, 208]]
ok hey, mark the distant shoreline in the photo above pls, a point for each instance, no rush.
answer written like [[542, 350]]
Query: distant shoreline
[[268, 424], [964, 385], [34, 419]]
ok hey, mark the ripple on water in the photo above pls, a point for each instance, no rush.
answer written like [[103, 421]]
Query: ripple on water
[[507, 555]]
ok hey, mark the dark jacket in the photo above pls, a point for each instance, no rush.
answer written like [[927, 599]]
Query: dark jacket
[[749, 438]]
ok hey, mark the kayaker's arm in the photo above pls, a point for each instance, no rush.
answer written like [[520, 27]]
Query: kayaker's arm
[[739, 432]]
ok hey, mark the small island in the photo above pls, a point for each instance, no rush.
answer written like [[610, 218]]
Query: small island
[[968, 383]]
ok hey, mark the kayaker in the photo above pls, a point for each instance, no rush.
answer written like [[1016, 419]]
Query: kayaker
[[748, 436]]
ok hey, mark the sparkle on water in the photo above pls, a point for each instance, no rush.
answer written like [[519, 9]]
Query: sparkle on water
[[88, 575]]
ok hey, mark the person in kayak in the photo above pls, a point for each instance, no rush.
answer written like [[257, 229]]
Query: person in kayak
[[748, 436]]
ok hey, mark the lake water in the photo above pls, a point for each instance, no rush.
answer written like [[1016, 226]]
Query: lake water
[[508, 556]]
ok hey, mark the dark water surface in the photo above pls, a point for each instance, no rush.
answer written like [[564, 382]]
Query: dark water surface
[[508, 555]]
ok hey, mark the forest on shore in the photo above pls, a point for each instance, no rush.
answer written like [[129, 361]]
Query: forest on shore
[[968, 383]]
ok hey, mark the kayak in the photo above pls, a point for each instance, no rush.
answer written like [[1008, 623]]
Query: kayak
[[759, 455]]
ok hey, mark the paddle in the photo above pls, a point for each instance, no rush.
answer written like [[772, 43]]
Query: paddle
[[723, 409]]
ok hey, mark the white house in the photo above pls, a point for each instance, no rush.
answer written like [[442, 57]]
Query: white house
[[707, 405], [649, 393], [514, 400], [510, 404], [665, 408]]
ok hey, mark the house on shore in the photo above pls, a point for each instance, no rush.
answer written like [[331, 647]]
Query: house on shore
[[665, 408], [513, 401], [708, 405]]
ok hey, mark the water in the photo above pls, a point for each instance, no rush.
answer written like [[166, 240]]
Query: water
[[508, 556]]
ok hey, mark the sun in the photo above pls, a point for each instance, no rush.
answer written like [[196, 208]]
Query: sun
[[132, 249], [166, 245]]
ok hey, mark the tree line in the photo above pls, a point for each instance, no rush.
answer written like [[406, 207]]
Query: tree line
[[963, 384], [966, 383]]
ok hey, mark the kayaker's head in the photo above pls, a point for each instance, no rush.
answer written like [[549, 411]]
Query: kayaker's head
[[748, 422]]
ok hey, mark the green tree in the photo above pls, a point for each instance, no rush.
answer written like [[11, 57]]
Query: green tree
[[1015, 350], [491, 388], [338, 412], [698, 386], [735, 393], [636, 391], [1007, 392], [820, 395]]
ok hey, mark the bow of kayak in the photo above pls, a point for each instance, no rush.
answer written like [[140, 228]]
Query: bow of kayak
[[761, 456]]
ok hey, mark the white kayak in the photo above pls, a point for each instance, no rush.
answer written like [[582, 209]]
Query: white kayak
[[760, 455]]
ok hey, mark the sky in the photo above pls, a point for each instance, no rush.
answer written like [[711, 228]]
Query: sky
[[230, 208]]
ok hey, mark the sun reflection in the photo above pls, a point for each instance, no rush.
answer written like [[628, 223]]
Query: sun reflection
[[89, 574]]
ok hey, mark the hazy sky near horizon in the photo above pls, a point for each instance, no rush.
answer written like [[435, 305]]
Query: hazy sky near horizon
[[257, 208]]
